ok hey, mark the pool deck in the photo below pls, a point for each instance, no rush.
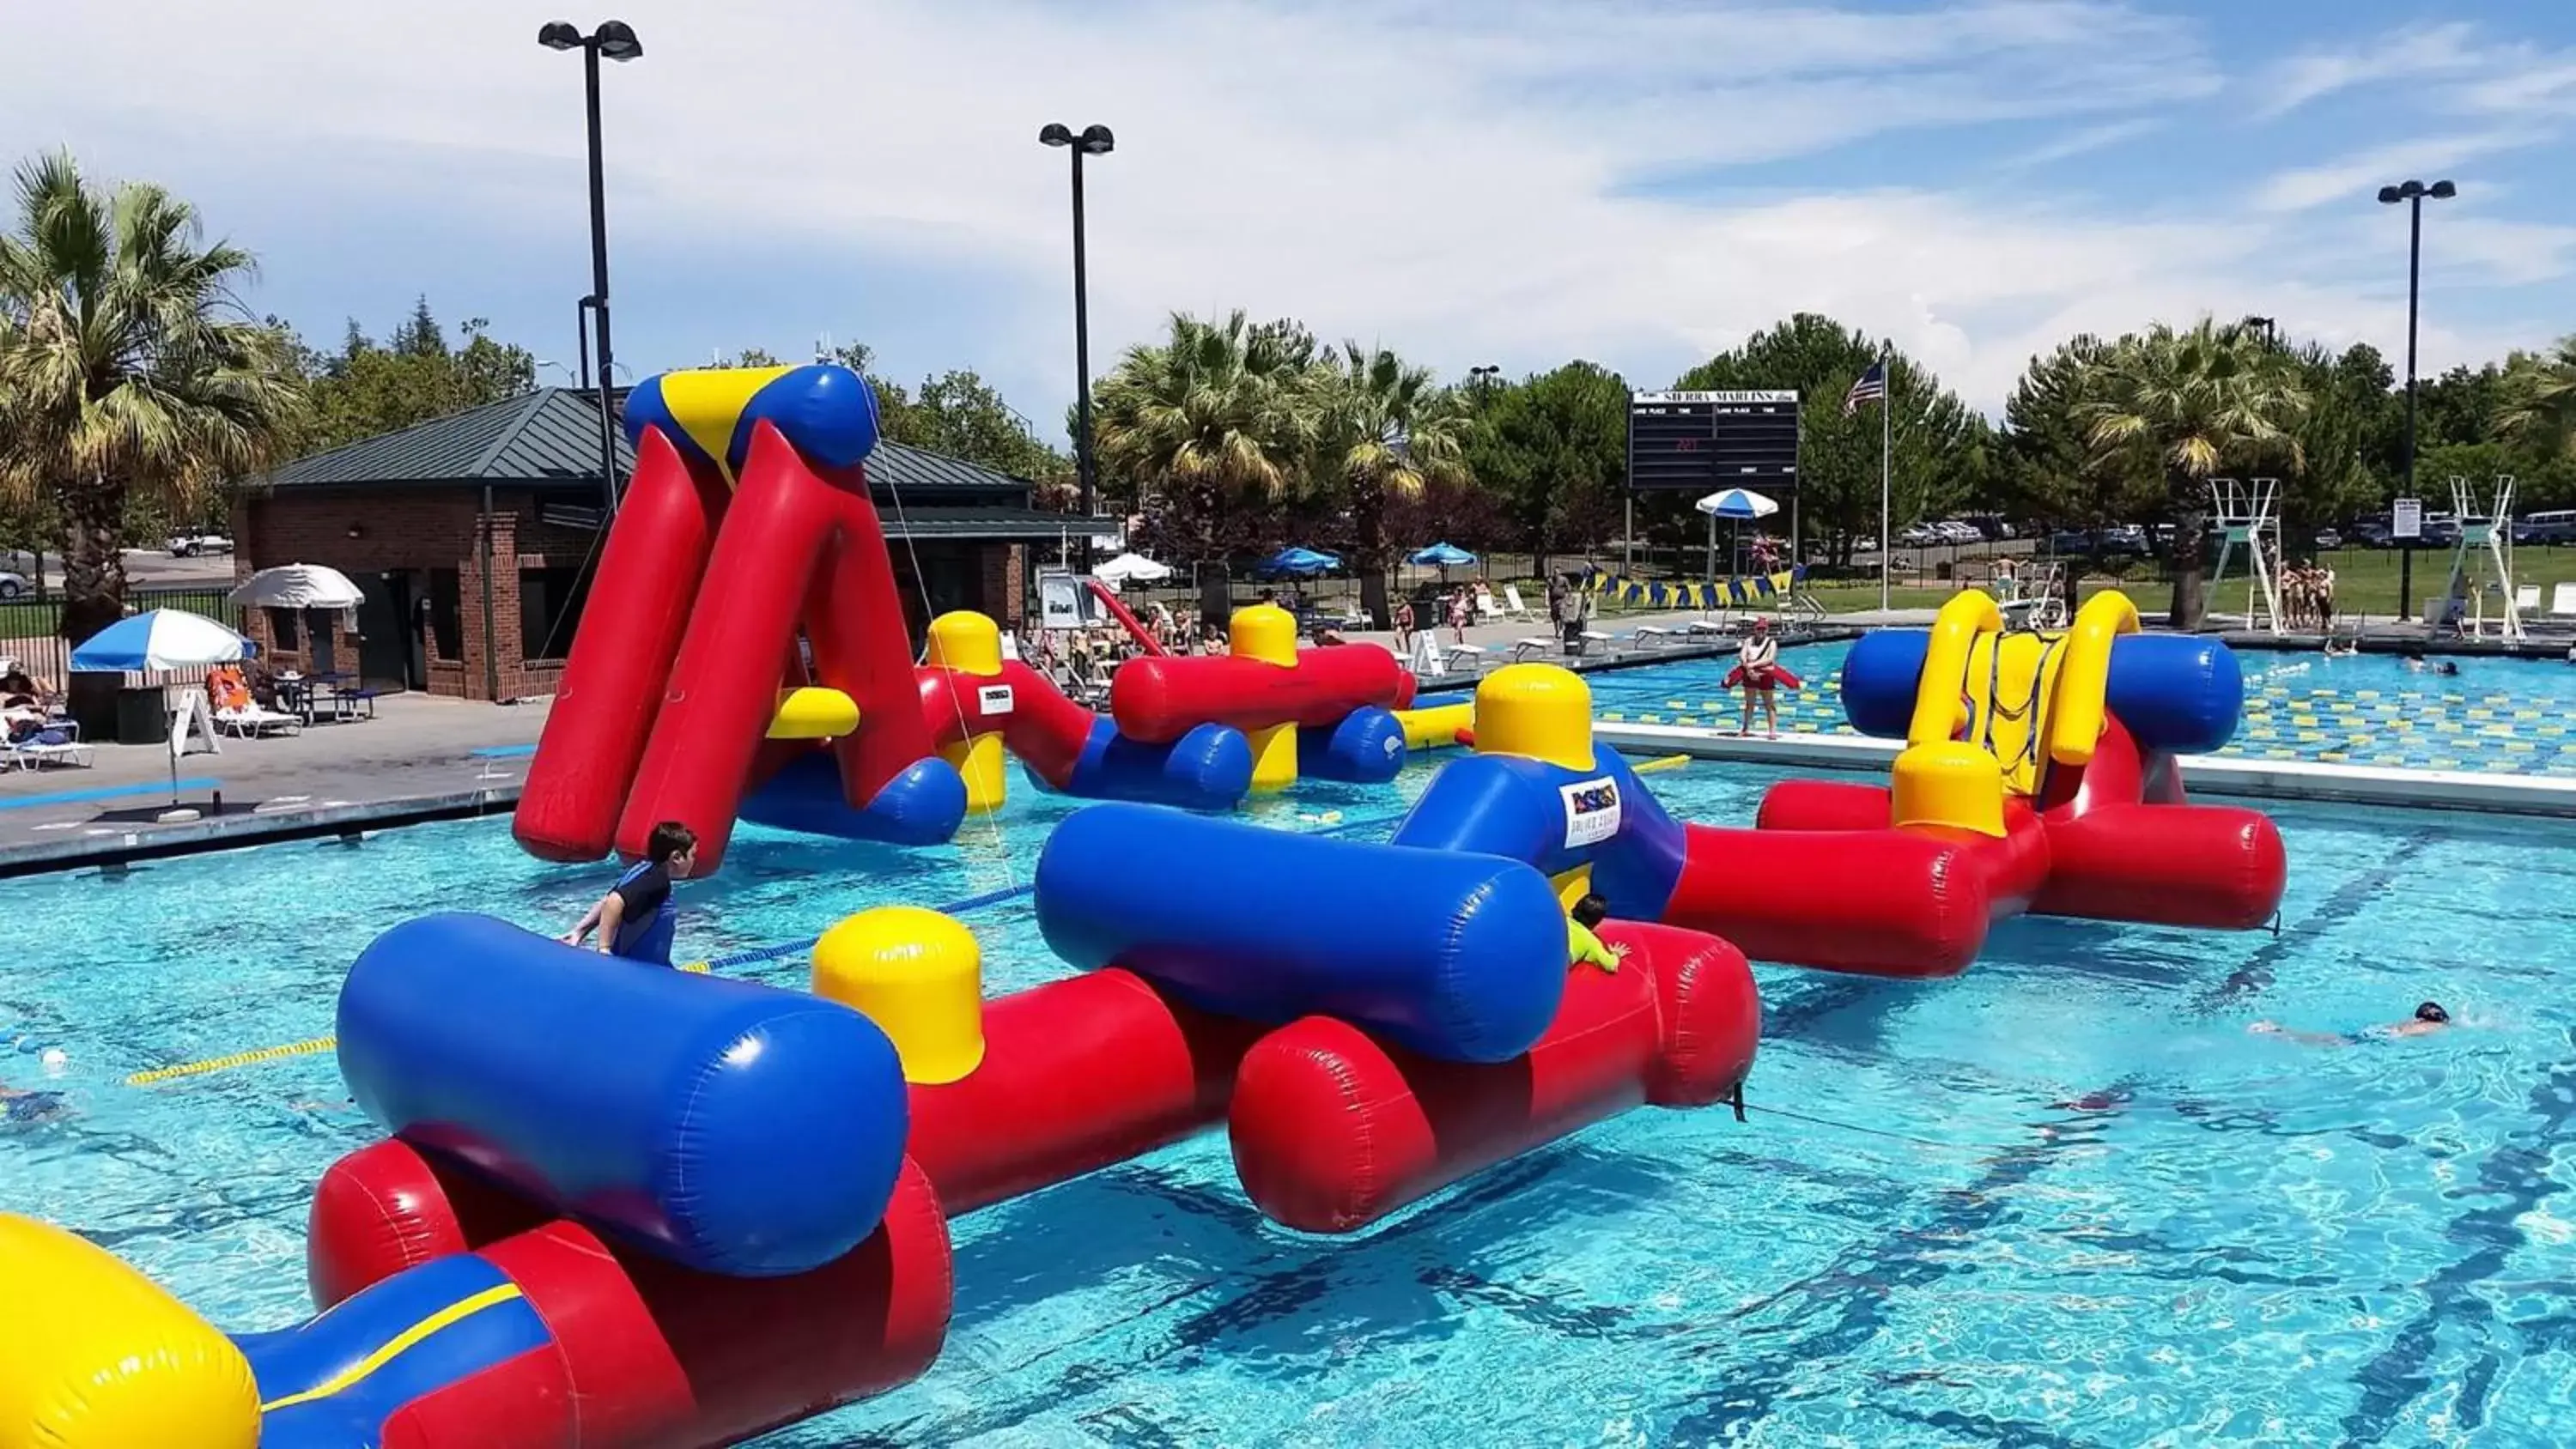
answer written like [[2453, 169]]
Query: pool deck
[[422, 757]]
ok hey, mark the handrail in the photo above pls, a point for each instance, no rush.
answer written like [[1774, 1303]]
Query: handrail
[[1939, 709], [2079, 700]]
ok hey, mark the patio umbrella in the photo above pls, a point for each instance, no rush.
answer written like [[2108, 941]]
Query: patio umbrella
[[1297, 563], [1442, 555], [297, 586], [1132, 568], [159, 640], [1735, 505]]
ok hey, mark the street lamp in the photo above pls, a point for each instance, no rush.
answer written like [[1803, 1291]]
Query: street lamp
[[614, 40], [2271, 329], [1094, 141], [2413, 194]]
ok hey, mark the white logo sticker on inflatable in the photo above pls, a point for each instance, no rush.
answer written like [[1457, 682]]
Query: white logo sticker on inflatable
[[993, 698], [1591, 811]]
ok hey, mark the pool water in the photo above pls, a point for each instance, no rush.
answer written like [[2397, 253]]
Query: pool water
[[2503, 716], [2064, 1199]]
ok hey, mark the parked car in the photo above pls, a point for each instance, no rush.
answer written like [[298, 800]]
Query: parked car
[[1918, 535], [2371, 533], [190, 545], [2123, 538], [1953, 530], [2327, 538], [1990, 527], [2441, 532], [12, 585], [2070, 540]]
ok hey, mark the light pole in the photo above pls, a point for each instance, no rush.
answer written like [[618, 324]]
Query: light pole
[[613, 40], [2413, 194], [1483, 377], [1094, 141], [2271, 329]]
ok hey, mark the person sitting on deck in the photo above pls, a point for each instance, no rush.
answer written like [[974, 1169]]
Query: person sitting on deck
[[637, 918]]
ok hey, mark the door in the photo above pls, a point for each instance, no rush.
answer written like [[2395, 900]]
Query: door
[[384, 620]]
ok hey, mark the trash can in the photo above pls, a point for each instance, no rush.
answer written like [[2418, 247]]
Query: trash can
[[142, 716]]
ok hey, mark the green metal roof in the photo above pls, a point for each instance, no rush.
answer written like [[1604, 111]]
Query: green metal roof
[[552, 436], [931, 521]]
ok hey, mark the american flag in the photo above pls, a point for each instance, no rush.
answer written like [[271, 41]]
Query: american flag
[[1871, 387]]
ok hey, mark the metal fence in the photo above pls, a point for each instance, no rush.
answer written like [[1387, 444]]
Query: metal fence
[[31, 629]]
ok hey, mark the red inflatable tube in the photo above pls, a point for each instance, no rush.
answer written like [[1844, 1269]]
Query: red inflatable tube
[[386, 1208], [1824, 805], [649, 1355], [1160, 700], [1780, 678], [1046, 730], [612, 683], [2207, 866], [1143, 636], [1879, 902], [1333, 1129], [1077, 1074]]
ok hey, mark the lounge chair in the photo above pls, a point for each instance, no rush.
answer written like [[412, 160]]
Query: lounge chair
[[2562, 602], [2526, 600], [1513, 608], [64, 747], [246, 721]]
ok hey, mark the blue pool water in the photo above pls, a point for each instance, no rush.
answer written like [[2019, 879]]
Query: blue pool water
[[2506, 716], [2065, 1199]]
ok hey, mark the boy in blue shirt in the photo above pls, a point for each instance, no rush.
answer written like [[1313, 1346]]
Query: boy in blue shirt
[[637, 917]]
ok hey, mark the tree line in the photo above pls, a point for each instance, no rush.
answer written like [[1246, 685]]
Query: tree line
[[134, 389]]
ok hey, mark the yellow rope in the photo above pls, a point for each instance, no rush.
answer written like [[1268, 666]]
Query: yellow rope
[[1667, 762], [270, 1054], [237, 1059]]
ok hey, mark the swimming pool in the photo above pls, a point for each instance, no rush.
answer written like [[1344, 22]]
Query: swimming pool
[[2506, 716], [2063, 1199]]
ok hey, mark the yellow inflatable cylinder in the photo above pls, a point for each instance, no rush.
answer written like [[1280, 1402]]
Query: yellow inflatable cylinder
[[2076, 705], [919, 976], [1939, 708], [1952, 783], [1274, 756], [813, 713], [967, 642], [1265, 632], [981, 763], [1436, 728], [1537, 712], [93, 1355]]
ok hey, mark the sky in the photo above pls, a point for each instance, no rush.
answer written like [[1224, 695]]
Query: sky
[[1511, 182]]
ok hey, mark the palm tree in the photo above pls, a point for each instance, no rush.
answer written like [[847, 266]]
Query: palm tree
[[2540, 399], [128, 368], [1216, 413], [2190, 403], [1387, 431]]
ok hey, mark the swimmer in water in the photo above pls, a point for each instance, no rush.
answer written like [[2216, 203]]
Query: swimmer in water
[[22, 1108], [2429, 1018]]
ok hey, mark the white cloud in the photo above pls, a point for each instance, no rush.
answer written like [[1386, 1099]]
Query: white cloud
[[2083, 141], [2357, 177], [2410, 52], [1464, 182]]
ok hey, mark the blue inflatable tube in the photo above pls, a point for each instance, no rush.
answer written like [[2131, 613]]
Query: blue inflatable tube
[[726, 1126], [921, 806], [1366, 748], [1210, 768], [1458, 957], [2175, 692]]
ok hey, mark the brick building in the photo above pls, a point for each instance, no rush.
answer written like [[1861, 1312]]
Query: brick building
[[474, 536]]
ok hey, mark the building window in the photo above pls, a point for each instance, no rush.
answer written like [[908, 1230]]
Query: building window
[[550, 604], [282, 628], [446, 613]]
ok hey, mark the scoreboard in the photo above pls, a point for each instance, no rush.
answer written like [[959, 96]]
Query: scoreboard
[[1704, 441]]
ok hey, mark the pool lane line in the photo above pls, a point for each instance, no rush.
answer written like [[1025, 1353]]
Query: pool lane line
[[501, 752], [965, 906], [104, 792], [237, 1059], [2339, 905]]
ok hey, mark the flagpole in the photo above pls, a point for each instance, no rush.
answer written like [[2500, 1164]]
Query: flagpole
[[1886, 437]]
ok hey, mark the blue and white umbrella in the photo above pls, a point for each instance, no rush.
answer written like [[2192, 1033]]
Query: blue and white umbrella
[[160, 639], [1735, 505], [1297, 563]]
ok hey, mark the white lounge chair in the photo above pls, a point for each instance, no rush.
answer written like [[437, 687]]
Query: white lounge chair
[[2562, 602], [33, 754], [251, 720], [1513, 608]]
